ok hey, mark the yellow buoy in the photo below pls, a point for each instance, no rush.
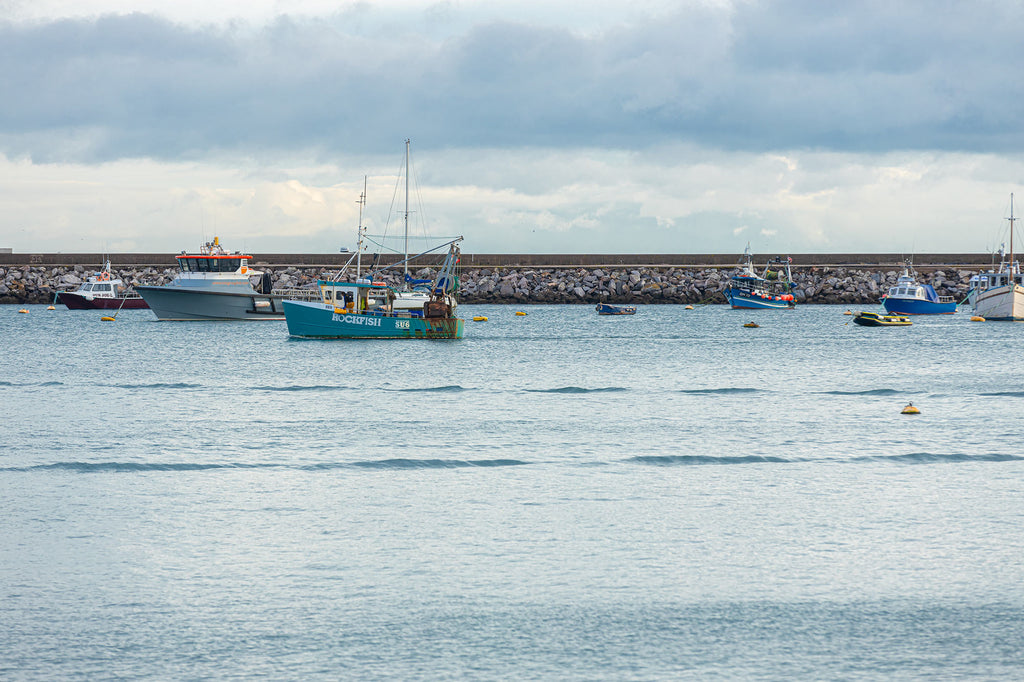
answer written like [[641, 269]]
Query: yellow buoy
[[51, 308], [23, 310], [520, 312], [910, 409], [480, 318], [689, 307], [107, 319], [977, 318], [848, 313], [751, 324]]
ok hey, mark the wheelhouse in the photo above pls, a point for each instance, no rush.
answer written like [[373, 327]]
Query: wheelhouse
[[196, 263], [363, 296], [213, 257]]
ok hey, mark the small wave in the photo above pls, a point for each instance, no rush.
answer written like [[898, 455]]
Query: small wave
[[123, 467], [577, 389], [296, 389], [136, 467], [454, 388], [157, 385], [719, 391], [436, 463], [1004, 394], [673, 460], [873, 391], [932, 458], [15, 384]]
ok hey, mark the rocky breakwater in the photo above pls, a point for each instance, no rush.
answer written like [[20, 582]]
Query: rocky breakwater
[[644, 285], [833, 285]]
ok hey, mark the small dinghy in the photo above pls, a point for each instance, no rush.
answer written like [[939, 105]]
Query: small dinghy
[[609, 309], [875, 320]]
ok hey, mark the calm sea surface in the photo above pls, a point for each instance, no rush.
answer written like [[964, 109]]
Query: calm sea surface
[[556, 496]]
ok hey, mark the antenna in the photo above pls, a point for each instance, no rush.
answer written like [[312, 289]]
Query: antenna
[[360, 230], [1011, 219], [407, 207]]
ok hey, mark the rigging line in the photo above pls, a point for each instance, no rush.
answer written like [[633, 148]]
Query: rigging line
[[394, 196], [422, 217], [418, 255], [379, 245], [431, 238]]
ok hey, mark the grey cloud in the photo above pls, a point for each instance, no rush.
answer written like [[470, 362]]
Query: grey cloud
[[758, 76]]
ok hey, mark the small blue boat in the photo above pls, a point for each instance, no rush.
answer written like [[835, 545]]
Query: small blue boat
[[910, 297], [609, 309], [366, 309], [772, 289]]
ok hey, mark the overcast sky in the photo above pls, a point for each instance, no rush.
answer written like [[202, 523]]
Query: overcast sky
[[583, 127]]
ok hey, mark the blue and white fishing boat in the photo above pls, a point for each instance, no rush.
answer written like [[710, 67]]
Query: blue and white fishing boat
[[910, 297], [999, 294], [365, 309], [772, 289]]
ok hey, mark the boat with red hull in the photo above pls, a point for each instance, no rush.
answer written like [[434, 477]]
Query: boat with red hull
[[102, 291]]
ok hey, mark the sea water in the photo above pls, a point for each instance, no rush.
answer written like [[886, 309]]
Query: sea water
[[556, 496]]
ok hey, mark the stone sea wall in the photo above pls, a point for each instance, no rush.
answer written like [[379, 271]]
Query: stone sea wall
[[644, 285]]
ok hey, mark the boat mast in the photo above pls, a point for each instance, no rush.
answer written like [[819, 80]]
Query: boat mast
[[1012, 280], [359, 231], [406, 207]]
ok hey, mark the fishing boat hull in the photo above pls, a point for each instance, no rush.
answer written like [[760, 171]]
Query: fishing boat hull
[[746, 299], [875, 320], [609, 309], [1004, 303], [192, 304], [916, 306], [323, 321], [79, 302]]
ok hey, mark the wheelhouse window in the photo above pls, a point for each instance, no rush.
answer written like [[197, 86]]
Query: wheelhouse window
[[102, 287]]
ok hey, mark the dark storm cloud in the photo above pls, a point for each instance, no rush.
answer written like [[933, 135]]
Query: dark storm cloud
[[759, 76]]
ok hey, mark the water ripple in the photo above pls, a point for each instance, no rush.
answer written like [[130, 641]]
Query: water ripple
[[577, 389], [135, 467], [719, 391]]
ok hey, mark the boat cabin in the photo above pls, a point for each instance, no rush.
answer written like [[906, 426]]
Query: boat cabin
[[98, 289], [361, 296], [992, 280], [212, 257], [199, 263]]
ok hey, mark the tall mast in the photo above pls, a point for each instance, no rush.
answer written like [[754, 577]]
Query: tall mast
[[406, 266], [1012, 281], [359, 231]]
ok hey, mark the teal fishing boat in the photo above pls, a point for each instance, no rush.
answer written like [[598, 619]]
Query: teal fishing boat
[[365, 308]]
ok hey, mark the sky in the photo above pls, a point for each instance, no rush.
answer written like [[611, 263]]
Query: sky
[[648, 126]]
